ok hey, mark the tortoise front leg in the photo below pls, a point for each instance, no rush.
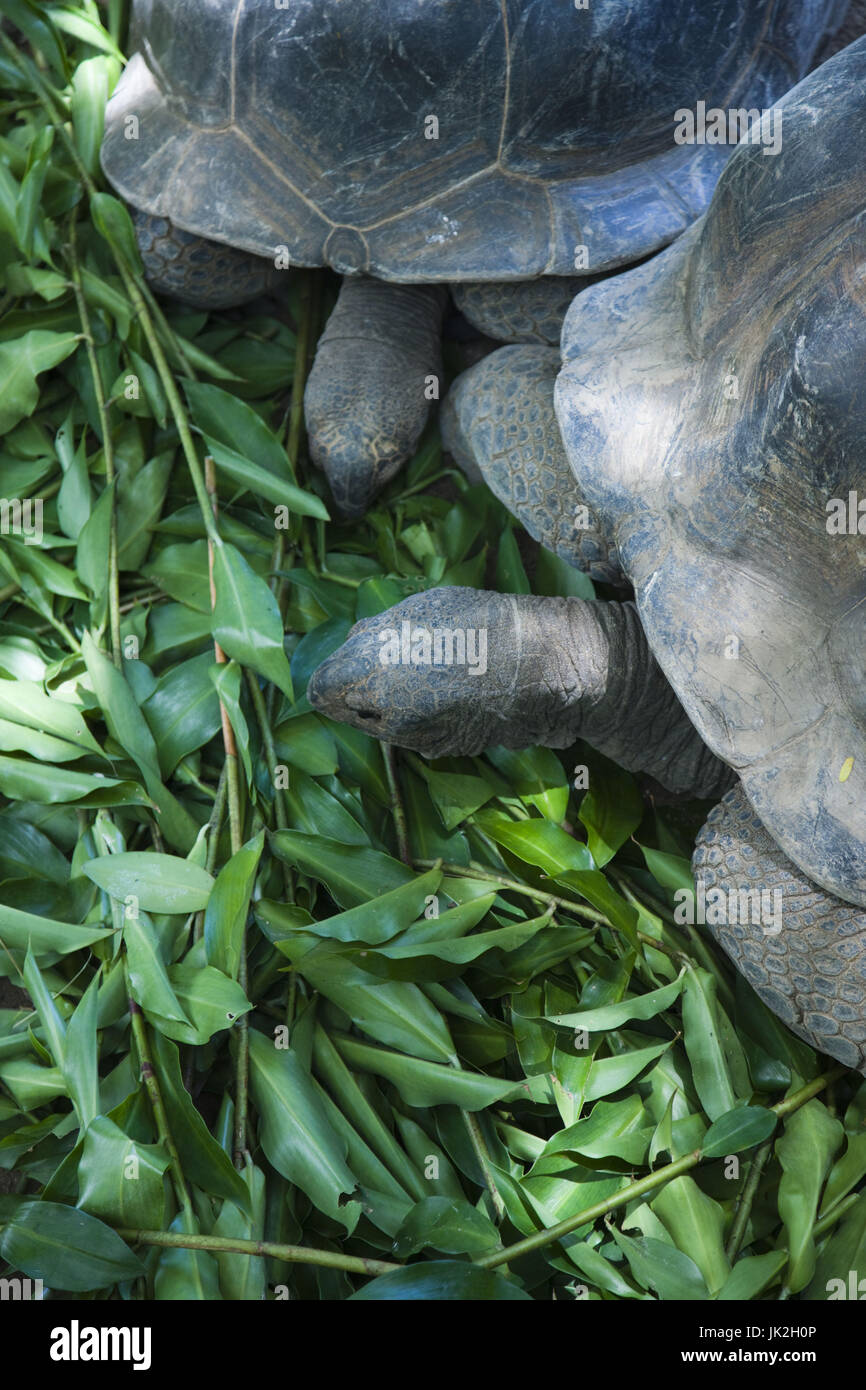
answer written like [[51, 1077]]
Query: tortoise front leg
[[455, 670], [197, 271], [378, 367]]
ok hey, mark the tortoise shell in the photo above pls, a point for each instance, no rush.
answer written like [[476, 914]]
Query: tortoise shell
[[441, 139], [713, 408]]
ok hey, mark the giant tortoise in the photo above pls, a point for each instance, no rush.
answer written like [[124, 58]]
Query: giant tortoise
[[429, 143], [712, 404]]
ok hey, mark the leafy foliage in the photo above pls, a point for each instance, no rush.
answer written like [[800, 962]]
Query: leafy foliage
[[414, 1066]]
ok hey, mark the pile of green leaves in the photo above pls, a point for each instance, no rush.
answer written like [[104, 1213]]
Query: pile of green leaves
[[428, 1030]]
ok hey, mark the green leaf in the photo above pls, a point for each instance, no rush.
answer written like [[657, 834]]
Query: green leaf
[[394, 1012], [261, 483], [66, 1248], [436, 1281], [208, 998], [351, 873], [751, 1275], [119, 1179], [659, 1266], [228, 906], [428, 1083], [702, 1041], [374, 921], [159, 882], [184, 1273], [20, 930], [611, 810], [233, 423], [537, 842], [128, 726], [642, 1006], [295, 1133], [536, 776], [204, 1162], [696, 1223], [21, 361], [149, 983], [113, 222], [246, 619], [446, 1224], [805, 1150], [739, 1129]]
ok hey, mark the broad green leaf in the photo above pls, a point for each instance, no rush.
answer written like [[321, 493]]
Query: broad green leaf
[[428, 1083], [209, 999], [445, 1224], [20, 930], [228, 905], [394, 1012], [66, 1248], [658, 1266], [805, 1150], [158, 882], [703, 1044], [536, 776], [351, 873], [750, 1276], [262, 483], [22, 780], [243, 1278], [696, 1224], [739, 1129], [641, 1006], [112, 220], [119, 1179], [611, 810], [295, 1133], [246, 620], [149, 983], [183, 1273], [21, 362], [374, 921], [610, 1074], [204, 1162], [129, 727]]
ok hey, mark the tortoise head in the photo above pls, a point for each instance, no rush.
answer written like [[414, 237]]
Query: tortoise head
[[418, 674]]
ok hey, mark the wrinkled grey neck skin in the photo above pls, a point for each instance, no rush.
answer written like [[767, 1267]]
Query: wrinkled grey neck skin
[[534, 671], [377, 371], [800, 947]]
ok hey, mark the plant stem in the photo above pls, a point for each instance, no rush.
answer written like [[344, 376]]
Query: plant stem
[[539, 1239], [511, 885], [107, 443], [480, 1148], [398, 813], [151, 1085], [747, 1197], [291, 1254]]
